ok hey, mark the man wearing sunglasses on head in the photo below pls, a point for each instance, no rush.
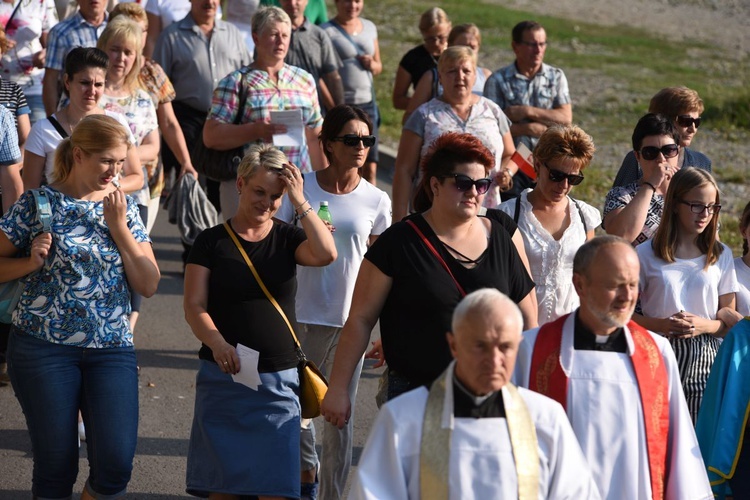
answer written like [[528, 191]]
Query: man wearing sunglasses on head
[[634, 211], [684, 107]]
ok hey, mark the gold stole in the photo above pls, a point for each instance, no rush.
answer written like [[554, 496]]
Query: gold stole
[[434, 452]]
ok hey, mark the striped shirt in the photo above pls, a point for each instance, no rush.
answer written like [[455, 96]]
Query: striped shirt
[[71, 33], [13, 99], [295, 90]]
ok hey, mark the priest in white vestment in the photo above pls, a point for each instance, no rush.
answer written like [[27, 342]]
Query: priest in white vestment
[[472, 435], [618, 382]]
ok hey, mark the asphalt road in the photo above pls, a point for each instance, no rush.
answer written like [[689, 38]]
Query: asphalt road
[[167, 355]]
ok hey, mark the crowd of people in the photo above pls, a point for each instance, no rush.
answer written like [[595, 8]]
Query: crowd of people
[[528, 353]]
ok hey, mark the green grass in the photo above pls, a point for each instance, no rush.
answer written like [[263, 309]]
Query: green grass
[[631, 63]]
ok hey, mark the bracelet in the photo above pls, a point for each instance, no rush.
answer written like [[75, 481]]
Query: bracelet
[[305, 213], [646, 183], [301, 205]]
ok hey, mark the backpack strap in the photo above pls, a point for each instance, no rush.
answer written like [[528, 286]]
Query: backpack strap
[[517, 213], [43, 209], [58, 127], [580, 213]]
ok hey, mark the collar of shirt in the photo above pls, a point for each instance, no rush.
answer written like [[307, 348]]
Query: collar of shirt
[[585, 340], [542, 73], [188, 23], [81, 20], [303, 27], [466, 405]]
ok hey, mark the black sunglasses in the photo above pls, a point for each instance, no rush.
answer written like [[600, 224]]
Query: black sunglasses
[[652, 152], [559, 176], [464, 183], [353, 140], [687, 120]]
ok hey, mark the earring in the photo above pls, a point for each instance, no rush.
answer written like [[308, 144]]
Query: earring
[[239, 192]]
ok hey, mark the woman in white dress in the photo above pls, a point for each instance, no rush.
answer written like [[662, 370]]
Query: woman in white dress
[[742, 265], [553, 224], [687, 279]]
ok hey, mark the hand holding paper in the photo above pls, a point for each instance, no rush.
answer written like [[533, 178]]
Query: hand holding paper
[[248, 374]]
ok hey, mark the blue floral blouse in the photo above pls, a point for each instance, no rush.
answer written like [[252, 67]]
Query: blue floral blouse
[[80, 297]]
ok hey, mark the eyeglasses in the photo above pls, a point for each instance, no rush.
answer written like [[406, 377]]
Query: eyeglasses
[[533, 45], [652, 152], [353, 140], [464, 183], [699, 208], [559, 176], [687, 120], [436, 39]]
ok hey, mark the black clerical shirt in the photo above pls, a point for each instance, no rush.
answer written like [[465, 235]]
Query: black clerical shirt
[[585, 340]]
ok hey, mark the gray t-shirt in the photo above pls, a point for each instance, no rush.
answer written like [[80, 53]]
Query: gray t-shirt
[[357, 80]]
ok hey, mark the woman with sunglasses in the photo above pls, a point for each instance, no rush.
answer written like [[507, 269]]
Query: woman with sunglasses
[[360, 212], [457, 109], [553, 224], [434, 27], [684, 107], [687, 279], [419, 269], [634, 211]]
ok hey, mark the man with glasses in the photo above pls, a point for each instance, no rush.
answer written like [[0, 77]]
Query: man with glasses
[[532, 94], [634, 211]]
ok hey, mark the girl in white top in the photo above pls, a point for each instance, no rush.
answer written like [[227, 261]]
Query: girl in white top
[[553, 224], [687, 279], [742, 265]]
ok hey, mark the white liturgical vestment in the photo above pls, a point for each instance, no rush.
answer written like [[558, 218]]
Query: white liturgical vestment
[[481, 460], [604, 408]]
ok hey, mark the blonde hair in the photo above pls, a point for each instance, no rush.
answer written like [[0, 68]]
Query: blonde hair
[[127, 31], [131, 10], [565, 142], [454, 55], [665, 239], [464, 29], [431, 18], [261, 156], [94, 134], [267, 15]]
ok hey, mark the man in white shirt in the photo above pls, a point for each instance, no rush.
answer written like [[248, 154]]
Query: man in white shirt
[[618, 382], [472, 434]]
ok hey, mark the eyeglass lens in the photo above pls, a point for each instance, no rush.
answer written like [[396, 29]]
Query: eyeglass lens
[[464, 183], [559, 176], [652, 152], [352, 140], [687, 120], [699, 208]]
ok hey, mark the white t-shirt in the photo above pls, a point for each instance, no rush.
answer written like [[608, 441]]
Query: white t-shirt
[[743, 282], [324, 294], [170, 11], [551, 260], [683, 285], [43, 140]]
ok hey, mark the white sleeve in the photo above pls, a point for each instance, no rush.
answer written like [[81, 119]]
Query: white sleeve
[[728, 280], [383, 216]]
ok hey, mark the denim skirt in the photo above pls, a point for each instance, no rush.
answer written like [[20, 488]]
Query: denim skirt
[[245, 442]]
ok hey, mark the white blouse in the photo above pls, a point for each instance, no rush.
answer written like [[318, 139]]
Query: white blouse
[[743, 281], [551, 260]]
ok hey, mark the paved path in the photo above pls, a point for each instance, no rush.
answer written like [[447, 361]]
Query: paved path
[[167, 355]]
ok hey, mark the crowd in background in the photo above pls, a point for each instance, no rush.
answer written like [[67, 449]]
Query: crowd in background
[[171, 75]]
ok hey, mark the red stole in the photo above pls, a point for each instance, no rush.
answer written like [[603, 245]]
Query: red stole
[[547, 377]]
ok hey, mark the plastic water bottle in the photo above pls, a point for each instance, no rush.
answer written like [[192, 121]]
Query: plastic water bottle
[[324, 213]]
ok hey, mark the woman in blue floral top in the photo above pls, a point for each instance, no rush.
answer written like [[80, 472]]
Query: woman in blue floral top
[[71, 346]]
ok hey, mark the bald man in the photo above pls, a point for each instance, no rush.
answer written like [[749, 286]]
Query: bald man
[[472, 434], [618, 383]]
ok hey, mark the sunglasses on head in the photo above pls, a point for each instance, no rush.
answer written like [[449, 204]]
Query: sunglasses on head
[[652, 152], [559, 176], [464, 183], [687, 120], [353, 140]]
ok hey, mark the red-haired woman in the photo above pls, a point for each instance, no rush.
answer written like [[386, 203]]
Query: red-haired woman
[[419, 269]]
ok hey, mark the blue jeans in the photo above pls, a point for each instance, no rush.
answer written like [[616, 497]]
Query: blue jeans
[[51, 382], [37, 108]]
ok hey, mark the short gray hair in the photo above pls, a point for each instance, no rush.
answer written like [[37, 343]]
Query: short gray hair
[[267, 15], [261, 156], [588, 251], [485, 300]]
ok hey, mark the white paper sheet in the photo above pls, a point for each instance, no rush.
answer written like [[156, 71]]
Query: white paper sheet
[[295, 129], [248, 374]]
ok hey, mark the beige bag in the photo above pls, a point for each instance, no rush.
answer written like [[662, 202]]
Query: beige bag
[[312, 384]]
